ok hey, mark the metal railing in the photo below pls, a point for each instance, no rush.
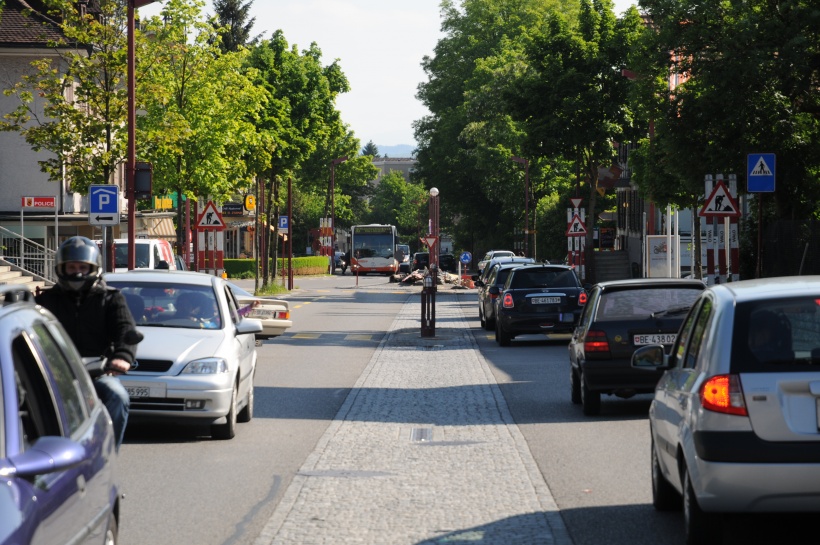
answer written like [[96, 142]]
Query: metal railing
[[27, 256]]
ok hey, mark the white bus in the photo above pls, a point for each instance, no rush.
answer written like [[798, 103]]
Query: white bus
[[372, 249]]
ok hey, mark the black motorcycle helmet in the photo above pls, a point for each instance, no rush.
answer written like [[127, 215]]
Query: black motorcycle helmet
[[85, 251]]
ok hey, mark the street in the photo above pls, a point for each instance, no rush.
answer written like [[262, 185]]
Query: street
[[181, 487]]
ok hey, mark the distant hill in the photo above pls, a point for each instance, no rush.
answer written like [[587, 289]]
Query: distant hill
[[402, 150]]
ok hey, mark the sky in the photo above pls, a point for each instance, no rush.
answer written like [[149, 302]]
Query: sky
[[380, 45]]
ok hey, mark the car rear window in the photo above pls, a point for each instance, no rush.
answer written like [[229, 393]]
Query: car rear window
[[777, 335], [543, 278], [641, 303]]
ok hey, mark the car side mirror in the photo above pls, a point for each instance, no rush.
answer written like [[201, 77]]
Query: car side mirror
[[494, 290], [651, 358]]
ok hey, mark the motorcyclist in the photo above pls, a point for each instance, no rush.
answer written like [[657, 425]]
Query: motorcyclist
[[96, 318]]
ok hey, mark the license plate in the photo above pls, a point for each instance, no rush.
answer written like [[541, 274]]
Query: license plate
[[138, 391], [545, 300], [655, 338]]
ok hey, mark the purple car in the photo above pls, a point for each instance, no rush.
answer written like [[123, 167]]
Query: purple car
[[57, 447]]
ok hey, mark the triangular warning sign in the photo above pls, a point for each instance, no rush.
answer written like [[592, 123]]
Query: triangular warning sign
[[430, 241], [576, 227], [720, 204], [210, 218], [761, 168]]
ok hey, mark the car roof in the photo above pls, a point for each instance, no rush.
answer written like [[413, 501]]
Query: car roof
[[640, 283], [768, 288], [13, 297], [163, 275]]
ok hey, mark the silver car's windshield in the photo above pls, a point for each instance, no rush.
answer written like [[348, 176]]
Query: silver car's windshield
[[176, 305]]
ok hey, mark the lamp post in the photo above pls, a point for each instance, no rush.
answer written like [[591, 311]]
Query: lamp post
[[333, 164], [526, 202], [131, 160], [434, 226]]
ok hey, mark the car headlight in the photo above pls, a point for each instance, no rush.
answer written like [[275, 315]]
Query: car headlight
[[207, 366]]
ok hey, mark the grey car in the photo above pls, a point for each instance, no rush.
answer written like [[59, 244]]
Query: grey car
[[734, 419]]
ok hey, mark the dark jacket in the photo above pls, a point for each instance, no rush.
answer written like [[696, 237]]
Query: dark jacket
[[97, 321]]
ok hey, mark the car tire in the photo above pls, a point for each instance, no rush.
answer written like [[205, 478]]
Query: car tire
[[501, 335], [699, 527], [575, 386], [591, 401], [228, 429], [664, 495], [112, 531], [246, 414]]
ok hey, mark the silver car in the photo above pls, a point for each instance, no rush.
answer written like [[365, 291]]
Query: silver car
[[197, 361], [735, 420]]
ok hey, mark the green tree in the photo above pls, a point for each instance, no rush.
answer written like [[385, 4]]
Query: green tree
[[305, 133], [234, 26], [74, 105], [371, 149], [574, 100], [200, 108]]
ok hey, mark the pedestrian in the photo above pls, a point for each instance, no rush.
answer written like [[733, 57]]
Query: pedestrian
[[97, 319]]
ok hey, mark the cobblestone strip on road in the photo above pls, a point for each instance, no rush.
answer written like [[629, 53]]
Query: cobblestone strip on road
[[422, 451]]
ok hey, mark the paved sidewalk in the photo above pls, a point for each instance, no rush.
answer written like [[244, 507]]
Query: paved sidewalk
[[422, 451]]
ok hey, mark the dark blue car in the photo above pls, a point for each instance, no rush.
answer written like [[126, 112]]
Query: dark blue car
[[57, 447]]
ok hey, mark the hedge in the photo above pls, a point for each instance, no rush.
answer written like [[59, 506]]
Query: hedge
[[302, 266]]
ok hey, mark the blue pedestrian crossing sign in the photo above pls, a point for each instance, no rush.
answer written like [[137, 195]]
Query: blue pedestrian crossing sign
[[760, 172], [104, 204]]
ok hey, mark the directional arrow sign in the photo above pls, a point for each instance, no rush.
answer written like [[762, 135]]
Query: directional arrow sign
[[104, 204]]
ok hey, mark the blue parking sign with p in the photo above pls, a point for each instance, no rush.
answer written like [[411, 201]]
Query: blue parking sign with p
[[284, 224], [104, 204]]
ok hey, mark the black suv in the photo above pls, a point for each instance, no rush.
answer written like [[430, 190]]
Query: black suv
[[537, 299], [421, 261], [448, 263]]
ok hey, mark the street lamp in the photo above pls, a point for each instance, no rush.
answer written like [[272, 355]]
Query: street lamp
[[333, 164], [526, 202], [434, 225], [131, 161]]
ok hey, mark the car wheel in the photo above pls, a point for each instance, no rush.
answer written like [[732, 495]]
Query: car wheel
[[664, 495], [228, 429], [699, 526], [575, 386], [591, 401], [246, 414], [112, 531], [501, 335]]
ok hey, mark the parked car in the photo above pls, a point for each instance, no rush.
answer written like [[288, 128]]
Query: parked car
[[421, 261], [195, 367], [57, 444], [537, 298], [403, 257], [273, 313], [447, 263], [491, 254], [619, 317], [734, 419], [497, 272]]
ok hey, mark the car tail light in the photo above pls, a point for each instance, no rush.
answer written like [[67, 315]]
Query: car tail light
[[283, 315], [723, 394], [582, 298], [595, 341], [508, 300]]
